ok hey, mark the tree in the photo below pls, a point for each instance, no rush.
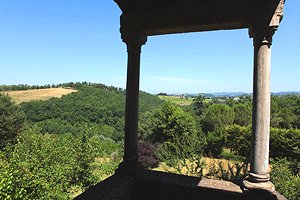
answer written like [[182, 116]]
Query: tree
[[239, 140], [217, 116], [11, 120], [215, 142], [176, 132], [287, 118], [172, 121], [243, 114], [199, 105], [146, 124]]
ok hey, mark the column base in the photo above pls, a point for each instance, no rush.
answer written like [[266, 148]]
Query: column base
[[129, 168], [258, 187]]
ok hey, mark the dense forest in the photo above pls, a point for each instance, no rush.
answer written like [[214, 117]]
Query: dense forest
[[57, 148]]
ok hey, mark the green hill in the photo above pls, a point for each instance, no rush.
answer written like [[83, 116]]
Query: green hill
[[101, 108]]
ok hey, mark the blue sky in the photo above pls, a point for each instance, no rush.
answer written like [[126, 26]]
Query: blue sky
[[45, 42]]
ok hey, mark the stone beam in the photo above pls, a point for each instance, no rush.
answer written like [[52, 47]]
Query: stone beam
[[156, 17]]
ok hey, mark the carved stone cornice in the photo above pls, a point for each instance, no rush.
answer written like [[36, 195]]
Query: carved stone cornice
[[277, 17], [267, 31]]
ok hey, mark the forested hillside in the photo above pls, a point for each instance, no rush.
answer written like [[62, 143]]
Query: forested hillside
[[101, 108]]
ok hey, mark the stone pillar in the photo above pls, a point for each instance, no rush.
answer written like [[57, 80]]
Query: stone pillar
[[134, 43], [259, 178]]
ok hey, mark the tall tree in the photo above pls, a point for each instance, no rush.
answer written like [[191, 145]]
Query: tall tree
[[11, 120], [199, 105], [216, 116], [176, 131], [243, 114]]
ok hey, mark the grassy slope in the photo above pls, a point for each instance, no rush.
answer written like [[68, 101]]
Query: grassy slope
[[38, 94], [177, 100]]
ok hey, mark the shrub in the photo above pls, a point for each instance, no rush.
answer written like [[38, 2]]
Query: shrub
[[286, 183], [45, 166], [285, 143], [146, 155], [239, 140]]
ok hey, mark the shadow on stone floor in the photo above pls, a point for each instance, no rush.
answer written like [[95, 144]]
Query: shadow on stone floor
[[153, 185]]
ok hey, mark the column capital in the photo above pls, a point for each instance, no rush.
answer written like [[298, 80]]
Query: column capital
[[265, 32], [130, 33], [263, 36], [133, 40]]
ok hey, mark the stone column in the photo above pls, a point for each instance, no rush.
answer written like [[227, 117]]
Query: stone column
[[258, 182], [259, 178], [134, 43]]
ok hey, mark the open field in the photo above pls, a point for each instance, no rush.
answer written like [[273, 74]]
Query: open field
[[181, 101], [209, 164], [37, 94]]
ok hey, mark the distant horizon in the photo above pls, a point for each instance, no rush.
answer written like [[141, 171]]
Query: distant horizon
[[155, 93]]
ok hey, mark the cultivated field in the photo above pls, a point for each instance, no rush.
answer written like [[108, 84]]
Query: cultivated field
[[181, 101], [38, 94]]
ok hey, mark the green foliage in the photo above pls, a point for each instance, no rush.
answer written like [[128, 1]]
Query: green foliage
[[10, 188], [285, 143], [172, 121], [83, 157], [103, 169], [285, 111], [45, 166], [105, 147], [59, 126], [217, 116], [11, 120], [243, 114], [227, 154], [287, 118], [286, 183], [146, 125], [215, 142], [239, 140], [199, 105], [176, 132], [148, 102]]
